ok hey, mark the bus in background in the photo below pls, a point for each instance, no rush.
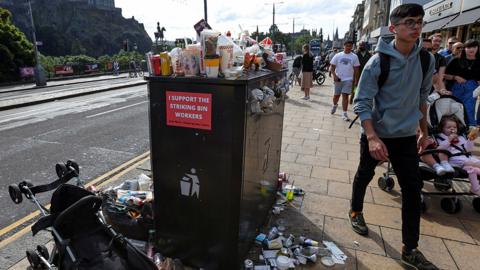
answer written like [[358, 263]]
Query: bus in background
[[315, 47]]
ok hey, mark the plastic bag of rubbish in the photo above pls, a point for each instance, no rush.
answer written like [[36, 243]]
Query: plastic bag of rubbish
[[255, 99], [144, 182], [268, 99]]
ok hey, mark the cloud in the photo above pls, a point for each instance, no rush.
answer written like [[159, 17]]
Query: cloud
[[179, 16]]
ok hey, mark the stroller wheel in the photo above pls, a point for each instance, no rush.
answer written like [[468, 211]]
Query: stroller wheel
[[451, 205], [33, 259], [60, 169], [43, 251], [476, 204], [15, 193], [386, 183], [74, 165], [23, 189]]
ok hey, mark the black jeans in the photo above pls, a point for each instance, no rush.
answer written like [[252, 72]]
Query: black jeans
[[402, 153]]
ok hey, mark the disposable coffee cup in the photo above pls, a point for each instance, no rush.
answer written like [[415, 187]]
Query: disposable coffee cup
[[212, 64]]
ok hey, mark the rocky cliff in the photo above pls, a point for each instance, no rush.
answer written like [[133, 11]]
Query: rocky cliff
[[69, 28]]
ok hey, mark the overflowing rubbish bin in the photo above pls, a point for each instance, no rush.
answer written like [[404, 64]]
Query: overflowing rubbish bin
[[215, 153]]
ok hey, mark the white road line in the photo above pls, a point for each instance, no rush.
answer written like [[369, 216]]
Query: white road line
[[117, 109], [46, 107]]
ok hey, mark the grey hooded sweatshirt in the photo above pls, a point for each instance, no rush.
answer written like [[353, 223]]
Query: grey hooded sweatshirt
[[394, 109]]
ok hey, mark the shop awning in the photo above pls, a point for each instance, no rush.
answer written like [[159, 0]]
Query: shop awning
[[466, 17], [438, 24]]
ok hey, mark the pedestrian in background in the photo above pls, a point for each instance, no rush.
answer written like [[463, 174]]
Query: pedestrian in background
[[116, 68], [440, 66], [456, 52], [390, 117], [427, 44], [329, 60], [297, 68], [307, 71], [363, 56], [345, 70], [464, 72], [448, 50]]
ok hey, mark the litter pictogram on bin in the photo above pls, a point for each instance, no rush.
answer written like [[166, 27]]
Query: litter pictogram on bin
[[190, 184]]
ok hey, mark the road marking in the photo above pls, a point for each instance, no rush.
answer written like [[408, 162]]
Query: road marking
[[126, 167], [117, 109], [48, 108]]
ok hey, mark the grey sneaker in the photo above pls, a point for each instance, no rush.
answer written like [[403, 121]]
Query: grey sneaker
[[416, 260], [358, 223], [334, 109]]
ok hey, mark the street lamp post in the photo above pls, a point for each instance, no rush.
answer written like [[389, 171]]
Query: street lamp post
[[39, 74], [205, 9]]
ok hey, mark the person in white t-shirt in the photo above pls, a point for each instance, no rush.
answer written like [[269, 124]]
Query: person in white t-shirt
[[345, 69]]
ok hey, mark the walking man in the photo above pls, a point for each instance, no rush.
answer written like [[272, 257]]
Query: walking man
[[389, 118], [363, 56], [345, 70], [440, 65]]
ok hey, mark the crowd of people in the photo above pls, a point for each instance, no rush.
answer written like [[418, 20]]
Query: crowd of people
[[393, 89]]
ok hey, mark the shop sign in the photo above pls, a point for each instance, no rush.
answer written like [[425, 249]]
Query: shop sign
[[440, 8], [190, 110]]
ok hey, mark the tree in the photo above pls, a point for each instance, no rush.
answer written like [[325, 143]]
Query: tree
[[15, 49], [304, 39]]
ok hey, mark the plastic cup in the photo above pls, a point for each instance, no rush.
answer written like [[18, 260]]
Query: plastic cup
[[212, 65]]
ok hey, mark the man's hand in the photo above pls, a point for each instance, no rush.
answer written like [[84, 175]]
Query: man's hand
[[377, 148], [422, 143], [459, 79]]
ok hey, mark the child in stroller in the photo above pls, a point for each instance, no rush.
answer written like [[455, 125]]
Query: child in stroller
[[450, 203], [460, 148]]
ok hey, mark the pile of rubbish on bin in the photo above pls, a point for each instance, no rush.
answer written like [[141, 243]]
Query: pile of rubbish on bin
[[217, 55]]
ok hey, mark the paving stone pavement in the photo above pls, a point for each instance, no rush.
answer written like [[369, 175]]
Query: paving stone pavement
[[321, 155]]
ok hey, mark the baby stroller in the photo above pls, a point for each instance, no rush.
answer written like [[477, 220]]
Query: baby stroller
[[82, 239], [445, 105]]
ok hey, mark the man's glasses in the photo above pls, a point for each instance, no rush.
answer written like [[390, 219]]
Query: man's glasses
[[410, 23]]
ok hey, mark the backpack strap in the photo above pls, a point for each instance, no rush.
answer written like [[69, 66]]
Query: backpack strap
[[385, 66], [425, 61], [384, 69]]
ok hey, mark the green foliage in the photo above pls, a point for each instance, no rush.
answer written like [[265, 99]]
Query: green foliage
[[79, 61], [15, 50], [300, 41]]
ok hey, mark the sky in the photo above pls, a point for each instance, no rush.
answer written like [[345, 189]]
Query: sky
[[179, 16]]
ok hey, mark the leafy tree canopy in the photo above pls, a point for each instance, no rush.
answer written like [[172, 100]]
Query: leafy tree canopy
[[15, 49]]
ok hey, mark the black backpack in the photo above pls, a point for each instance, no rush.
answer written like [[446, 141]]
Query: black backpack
[[385, 66], [385, 70]]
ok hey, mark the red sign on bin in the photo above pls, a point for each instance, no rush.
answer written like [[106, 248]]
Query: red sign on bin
[[190, 110]]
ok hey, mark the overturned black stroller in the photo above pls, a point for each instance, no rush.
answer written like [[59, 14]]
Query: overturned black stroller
[[445, 105], [82, 239]]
